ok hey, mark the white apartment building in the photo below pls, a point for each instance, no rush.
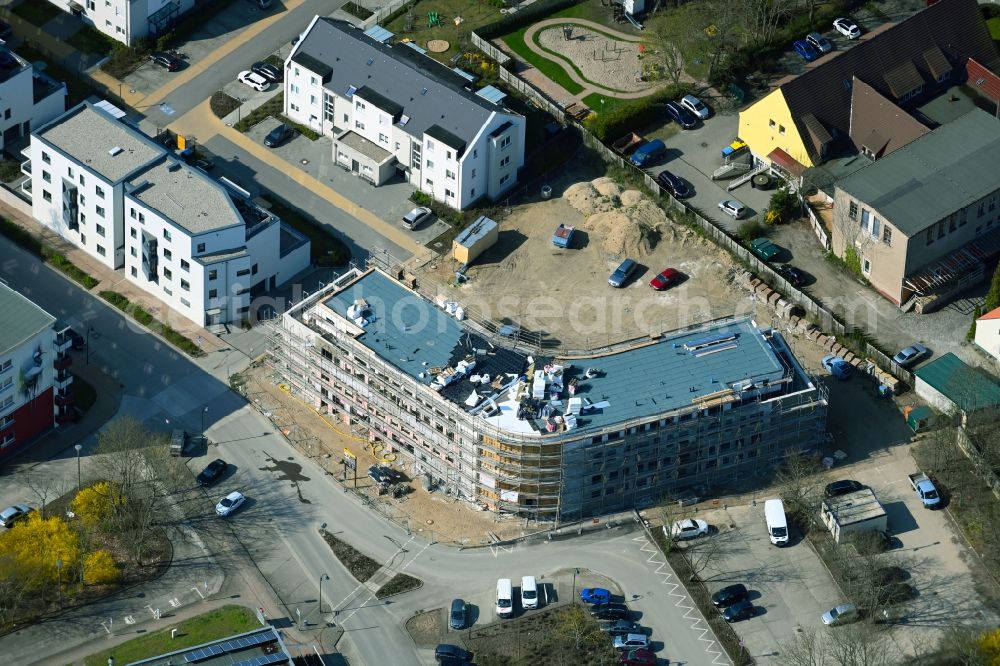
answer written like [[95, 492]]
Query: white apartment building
[[199, 245], [27, 98], [391, 109], [126, 20]]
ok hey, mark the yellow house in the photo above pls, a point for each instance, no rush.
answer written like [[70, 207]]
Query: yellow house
[[805, 116]]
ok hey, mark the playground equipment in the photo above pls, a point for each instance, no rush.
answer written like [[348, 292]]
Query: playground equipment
[[433, 20]]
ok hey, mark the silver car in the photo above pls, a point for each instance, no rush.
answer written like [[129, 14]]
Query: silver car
[[733, 208], [911, 355], [12, 514], [696, 106], [416, 217], [841, 614]]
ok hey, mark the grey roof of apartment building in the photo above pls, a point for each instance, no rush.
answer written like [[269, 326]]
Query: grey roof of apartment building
[[934, 175], [103, 144], [856, 507], [428, 92], [185, 195], [660, 376], [21, 319]]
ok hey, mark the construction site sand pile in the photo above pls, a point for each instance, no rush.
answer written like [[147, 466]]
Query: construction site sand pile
[[626, 221]]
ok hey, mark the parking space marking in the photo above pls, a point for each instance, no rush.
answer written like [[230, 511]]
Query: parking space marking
[[698, 624]]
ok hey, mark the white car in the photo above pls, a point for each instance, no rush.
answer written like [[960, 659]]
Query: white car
[[689, 528], [255, 81], [696, 106], [733, 208], [847, 28], [230, 503]]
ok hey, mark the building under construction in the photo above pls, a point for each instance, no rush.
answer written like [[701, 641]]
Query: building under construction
[[549, 438]]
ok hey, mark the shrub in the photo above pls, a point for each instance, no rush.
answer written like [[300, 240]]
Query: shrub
[[628, 117], [99, 568], [853, 262], [751, 230], [976, 314], [10, 170], [93, 503], [524, 17], [222, 104], [20, 236]]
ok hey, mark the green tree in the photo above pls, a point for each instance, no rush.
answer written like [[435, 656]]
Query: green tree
[[976, 314], [993, 295]]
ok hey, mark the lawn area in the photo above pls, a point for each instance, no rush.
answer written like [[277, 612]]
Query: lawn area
[[89, 40], [473, 15], [211, 626], [325, 249], [994, 27], [38, 13], [549, 68]]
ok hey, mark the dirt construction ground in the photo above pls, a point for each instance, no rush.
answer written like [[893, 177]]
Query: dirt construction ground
[[563, 295]]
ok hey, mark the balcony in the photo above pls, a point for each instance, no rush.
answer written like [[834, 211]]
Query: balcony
[[62, 343], [26, 187], [64, 399], [26, 167], [62, 362], [62, 380]]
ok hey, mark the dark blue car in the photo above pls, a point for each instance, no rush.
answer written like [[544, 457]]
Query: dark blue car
[[806, 50]]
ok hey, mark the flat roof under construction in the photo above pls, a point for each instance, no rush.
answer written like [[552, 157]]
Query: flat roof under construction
[[701, 366]]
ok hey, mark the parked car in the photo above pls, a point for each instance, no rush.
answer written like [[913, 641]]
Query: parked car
[[681, 116], [641, 657], [610, 611], [794, 276], [212, 473], [696, 106], [841, 614], [416, 217], [689, 528], [733, 208], [278, 136], [595, 595], [77, 341], [837, 366], [230, 503], [805, 50], [673, 184], [911, 355], [764, 248], [453, 653], [459, 614], [166, 61], [203, 164], [741, 610], [630, 642], [730, 595], [622, 273], [620, 628], [12, 514], [842, 487], [819, 42], [666, 279], [255, 81], [847, 28], [383, 474], [268, 71], [648, 153]]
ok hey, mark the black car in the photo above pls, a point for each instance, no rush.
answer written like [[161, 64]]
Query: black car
[[673, 184], [453, 653], [212, 473], [681, 116], [743, 610], [383, 474], [842, 487], [794, 276], [77, 341], [621, 628], [165, 60], [268, 71], [459, 614], [278, 136], [610, 611], [728, 596]]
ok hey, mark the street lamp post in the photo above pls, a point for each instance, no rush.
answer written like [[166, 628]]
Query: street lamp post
[[321, 579], [572, 599], [203, 412], [89, 329], [59, 581], [79, 478]]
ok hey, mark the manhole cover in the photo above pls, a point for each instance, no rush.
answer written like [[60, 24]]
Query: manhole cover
[[304, 161], [704, 145]]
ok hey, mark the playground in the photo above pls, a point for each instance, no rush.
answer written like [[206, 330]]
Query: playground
[[601, 60], [442, 21]]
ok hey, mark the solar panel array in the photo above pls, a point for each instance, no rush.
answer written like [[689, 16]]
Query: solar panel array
[[230, 646], [276, 658]]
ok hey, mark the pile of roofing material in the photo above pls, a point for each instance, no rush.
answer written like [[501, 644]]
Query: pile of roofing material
[[627, 222]]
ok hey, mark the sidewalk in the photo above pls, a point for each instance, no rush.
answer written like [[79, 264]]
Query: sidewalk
[[113, 280]]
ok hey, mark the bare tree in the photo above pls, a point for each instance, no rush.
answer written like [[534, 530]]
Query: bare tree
[[799, 486], [45, 487], [857, 644], [807, 650], [763, 18]]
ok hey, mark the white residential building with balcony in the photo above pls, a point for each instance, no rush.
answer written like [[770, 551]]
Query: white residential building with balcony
[[126, 20], [199, 245], [391, 109], [28, 98]]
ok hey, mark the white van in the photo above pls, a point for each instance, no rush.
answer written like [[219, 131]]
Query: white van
[[505, 598], [529, 592], [777, 525]]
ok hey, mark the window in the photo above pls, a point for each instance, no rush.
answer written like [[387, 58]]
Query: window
[[185, 302], [430, 164], [201, 247], [168, 291], [7, 440], [166, 235], [505, 161], [6, 365], [867, 267], [312, 99], [887, 235], [6, 384], [46, 196], [99, 191], [295, 88], [771, 123], [167, 254], [941, 229], [475, 153], [133, 233], [865, 216], [472, 192], [167, 274], [185, 285], [473, 173], [185, 266], [504, 142], [100, 250], [359, 125], [505, 179], [100, 231], [83, 181], [295, 107], [83, 239], [242, 273], [876, 226], [982, 209], [852, 210], [46, 176], [361, 105], [133, 252], [131, 213], [450, 175], [382, 138], [930, 235], [951, 224], [100, 211], [83, 218], [142, 218], [447, 154], [46, 158], [449, 193], [397, 145], [213, 293], [346, 119], [781, 130]]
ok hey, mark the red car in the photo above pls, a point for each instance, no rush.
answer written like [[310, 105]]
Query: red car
[[666, 279], [641, 657]]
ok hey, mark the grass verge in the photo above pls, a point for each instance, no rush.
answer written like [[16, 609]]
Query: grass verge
[[272, 107], [142, 316], [358, 564], [397, 585], [29, 242], [326, 250], [549, 68], [210, 626], [357, 11]]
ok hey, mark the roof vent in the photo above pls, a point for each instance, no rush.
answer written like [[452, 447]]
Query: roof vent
[[424, 91], [117, 150], [370, 61]]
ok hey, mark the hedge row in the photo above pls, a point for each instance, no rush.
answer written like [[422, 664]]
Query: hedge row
[[629, 116], [26, 240], [142, 316], [524, 17]]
